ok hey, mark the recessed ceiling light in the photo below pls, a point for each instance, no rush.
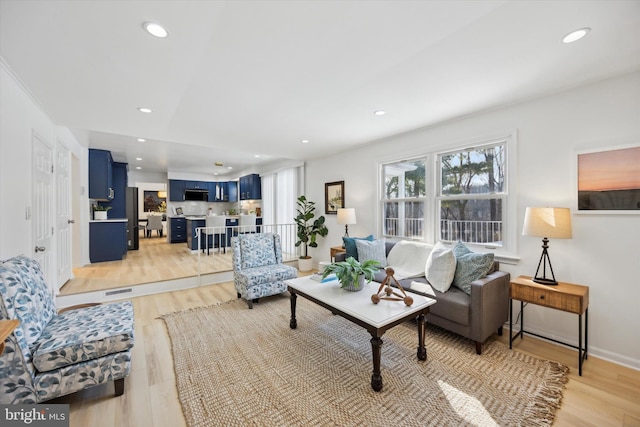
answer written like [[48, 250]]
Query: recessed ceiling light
[[139, 159], [379, 112], [575, 35], [215, 173], [155, 29], [229, 167], [138, 167], [256, 156], [144, 110], [305, 141], [141, 140]]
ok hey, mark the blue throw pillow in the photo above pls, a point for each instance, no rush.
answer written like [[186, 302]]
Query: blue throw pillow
[[350, 245], [470, 266]]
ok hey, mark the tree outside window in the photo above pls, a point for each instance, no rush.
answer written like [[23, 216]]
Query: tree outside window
[[472, 192]]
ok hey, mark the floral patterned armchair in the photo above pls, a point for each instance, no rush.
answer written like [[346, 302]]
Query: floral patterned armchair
[[49, 354], [258, 270]]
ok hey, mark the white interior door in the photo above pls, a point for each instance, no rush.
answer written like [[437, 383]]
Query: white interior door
[[42, 217], [63, 215]]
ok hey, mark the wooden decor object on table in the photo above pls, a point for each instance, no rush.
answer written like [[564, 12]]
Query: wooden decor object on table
[[6, 328], [385, 291]]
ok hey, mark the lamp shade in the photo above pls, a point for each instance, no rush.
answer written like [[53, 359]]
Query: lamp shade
[[554, 223], [346, 216]]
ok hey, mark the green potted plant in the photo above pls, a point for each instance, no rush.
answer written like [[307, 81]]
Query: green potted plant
[[308, 229], [100, 212], [352, 273]]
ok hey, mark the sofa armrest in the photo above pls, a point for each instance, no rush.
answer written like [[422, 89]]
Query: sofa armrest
[[489, 304]]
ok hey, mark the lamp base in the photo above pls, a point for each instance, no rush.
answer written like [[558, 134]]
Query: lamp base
[[544, 260], [545, 281]]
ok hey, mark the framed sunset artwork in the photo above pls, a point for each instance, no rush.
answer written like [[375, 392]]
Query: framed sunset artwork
[[609, 181]]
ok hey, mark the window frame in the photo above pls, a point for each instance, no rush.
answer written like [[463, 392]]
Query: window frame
[[384, 201], [433, 193]]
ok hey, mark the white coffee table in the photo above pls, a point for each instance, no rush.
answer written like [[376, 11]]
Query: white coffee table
[[358, 308]]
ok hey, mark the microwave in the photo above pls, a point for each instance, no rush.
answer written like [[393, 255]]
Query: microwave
[[196, 195]]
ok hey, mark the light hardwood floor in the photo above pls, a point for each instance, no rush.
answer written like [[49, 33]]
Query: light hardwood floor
[[156, 260], [606, 395]]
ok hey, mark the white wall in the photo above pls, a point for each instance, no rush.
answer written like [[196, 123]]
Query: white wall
[[605, 250], [21, 116]]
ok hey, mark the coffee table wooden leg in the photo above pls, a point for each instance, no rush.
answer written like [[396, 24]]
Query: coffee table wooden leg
[[422, 350], [376, 376], [293, 323]]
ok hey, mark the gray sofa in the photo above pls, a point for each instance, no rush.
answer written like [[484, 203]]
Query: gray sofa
[[476, 316]]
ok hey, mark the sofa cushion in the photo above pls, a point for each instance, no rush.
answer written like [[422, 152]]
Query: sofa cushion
[[351, 250], [372, 250], [452, 305], [259, 276], [257, 250], [441, 267], [26, 296], [470, 266], [80, 335]]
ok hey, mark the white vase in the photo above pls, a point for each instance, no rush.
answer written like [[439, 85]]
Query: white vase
[[305, 264], [100, 215]]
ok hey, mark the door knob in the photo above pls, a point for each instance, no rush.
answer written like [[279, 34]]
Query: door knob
[[40, 249], [71, 221]]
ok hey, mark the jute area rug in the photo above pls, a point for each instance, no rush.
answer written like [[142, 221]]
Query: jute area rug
[[241, 367]]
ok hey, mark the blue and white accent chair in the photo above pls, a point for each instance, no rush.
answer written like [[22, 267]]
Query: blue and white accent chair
[[258, 270], [53, 354]]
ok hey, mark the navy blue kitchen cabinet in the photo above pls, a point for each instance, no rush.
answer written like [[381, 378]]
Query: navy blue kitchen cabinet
[[232, 191], [100, 175], [218, 192], [177, 230], [250, 187], [107, 240], [118, 203], [176, 190], [196, 185]]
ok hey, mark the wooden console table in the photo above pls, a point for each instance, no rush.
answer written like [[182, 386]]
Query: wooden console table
[[336, 250], [6, 328], [564, 296]]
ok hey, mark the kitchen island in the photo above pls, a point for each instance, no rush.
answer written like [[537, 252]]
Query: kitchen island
[[192, 223]]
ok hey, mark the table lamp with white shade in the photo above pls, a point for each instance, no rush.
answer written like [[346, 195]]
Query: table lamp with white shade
[[547, 223], [346, 216]]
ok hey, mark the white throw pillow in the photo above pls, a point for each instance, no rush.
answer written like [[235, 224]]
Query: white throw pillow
[[374, 250], [441, 267]]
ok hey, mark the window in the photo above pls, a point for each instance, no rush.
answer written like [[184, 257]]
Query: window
[[471, 195], [404, 198], [463, 197]]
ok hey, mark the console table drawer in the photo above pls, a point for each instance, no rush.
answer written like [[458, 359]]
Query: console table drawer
[[546, 298], [565, 297]]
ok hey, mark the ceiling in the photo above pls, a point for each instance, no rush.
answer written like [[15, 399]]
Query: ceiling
[[236, 79]]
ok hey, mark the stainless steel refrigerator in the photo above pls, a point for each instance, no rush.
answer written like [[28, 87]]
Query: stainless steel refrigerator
[[133, 227]]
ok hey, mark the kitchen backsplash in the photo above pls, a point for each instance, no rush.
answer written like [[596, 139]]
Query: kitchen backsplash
[[218, 208]]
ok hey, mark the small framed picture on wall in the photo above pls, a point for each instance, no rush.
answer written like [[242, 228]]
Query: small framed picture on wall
[[333, 197]]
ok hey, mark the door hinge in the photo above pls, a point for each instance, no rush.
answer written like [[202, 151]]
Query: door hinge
[[52, 231]]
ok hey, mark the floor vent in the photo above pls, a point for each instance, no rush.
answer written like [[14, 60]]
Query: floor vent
[[119, 291]]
